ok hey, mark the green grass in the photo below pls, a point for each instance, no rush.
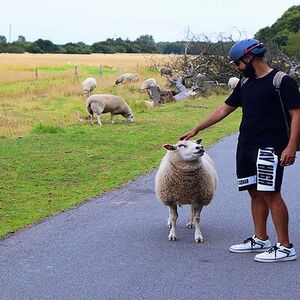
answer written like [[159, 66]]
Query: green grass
[[54, 168]]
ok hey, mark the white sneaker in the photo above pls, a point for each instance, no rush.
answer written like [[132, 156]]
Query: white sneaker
[[252, 244], [277, 253]]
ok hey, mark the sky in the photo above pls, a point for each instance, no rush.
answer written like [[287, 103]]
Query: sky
[[91, 21]]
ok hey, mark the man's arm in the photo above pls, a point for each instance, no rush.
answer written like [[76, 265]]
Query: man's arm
[[219, 114]]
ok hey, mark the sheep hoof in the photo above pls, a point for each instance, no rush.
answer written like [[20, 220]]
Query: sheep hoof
[[199, 240], [172, 238]]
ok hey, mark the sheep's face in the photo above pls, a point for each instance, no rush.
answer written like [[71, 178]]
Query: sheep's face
[[187, 150], [129, 118]]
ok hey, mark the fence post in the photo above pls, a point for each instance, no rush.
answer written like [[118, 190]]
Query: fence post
[[36, 77], [100, 71], [75, 72]]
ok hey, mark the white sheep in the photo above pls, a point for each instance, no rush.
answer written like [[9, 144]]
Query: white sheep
[[127, 78], [104, 103], [232, 83], [186, 175], [88, 85], [148, 83]]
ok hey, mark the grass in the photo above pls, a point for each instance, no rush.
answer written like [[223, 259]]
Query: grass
[[56, 162]]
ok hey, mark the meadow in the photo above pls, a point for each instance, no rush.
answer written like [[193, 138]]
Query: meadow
[[50, 161]]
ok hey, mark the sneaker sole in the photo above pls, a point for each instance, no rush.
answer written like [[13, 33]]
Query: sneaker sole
[[250, 250], [288, 258]]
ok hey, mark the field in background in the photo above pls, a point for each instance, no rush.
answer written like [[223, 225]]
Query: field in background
[[50, 161], [56, 96]]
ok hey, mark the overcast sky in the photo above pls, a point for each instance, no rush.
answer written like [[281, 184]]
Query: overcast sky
[[90, 21]]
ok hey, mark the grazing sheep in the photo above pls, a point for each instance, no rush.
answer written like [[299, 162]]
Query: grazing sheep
[[103, 103], [88, 85], [232, 83], [127, 78], [147, 83], [186, 175]]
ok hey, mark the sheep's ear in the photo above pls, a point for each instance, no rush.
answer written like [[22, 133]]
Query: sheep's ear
[[199, 141], [169, 147]]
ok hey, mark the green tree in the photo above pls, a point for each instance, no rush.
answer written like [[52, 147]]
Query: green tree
[[292, 47], [146, 43], [2, 39]]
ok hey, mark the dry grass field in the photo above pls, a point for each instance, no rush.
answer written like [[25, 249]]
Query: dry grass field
[[54, 95]]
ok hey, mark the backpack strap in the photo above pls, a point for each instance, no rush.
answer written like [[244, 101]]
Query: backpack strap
[[277, 79], [276, 82]]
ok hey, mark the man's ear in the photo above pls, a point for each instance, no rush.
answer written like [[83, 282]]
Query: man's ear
[[169, 147]]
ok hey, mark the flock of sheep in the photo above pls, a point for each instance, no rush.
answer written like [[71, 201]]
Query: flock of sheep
[[186, 175], [103, 103]]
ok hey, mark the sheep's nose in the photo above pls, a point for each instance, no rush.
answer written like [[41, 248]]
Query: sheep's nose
[[197, 147]]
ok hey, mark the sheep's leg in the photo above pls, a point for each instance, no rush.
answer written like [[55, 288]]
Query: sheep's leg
[[191, 218], [196, 220], [99, 119], [112, 118], [92, 118], [172, 220]]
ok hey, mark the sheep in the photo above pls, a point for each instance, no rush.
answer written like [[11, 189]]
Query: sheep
[[232, 83], [186, 175], [104, 103], [127, 78], [88, 85], [147, 83]]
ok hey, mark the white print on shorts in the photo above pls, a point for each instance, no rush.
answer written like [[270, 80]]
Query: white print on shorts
[[246, 181], [266, 165]]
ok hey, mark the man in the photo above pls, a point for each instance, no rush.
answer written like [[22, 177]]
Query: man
[[264, 147]]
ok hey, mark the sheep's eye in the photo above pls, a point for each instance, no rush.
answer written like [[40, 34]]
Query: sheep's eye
[[182, 145]]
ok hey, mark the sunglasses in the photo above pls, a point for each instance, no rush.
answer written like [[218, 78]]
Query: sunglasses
[[237, 62]]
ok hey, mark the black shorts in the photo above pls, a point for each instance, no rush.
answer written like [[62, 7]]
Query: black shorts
[[251, 173]]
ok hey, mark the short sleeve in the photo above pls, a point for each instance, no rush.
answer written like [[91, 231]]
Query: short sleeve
[[235, 97]]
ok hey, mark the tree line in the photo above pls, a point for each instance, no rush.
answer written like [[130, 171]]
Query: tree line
[[143, 44]]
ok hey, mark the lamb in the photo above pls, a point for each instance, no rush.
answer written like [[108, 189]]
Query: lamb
[[104, 103], [127, 78], [186, 175], [88, 85], [232, 83], [147, 83]]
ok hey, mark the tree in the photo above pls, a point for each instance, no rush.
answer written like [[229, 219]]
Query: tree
[[146, 43], [21, 39], [293, 45], [2, 39], [46, 46]]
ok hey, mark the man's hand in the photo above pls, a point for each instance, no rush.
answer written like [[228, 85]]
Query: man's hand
[[189, 134], [288, 156]]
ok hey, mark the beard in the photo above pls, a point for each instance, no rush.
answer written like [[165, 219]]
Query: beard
[[249, 71]]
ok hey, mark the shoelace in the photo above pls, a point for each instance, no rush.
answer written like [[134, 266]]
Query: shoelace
[[250, 239], [273, 249]]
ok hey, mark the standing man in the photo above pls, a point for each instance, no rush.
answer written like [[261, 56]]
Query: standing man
[[264, 147]]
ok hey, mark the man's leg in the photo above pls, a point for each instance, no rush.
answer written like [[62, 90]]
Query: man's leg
[[279, 215], [260, 212]]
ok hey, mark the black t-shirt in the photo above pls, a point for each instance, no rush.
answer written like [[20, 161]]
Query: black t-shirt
[[263, 121]]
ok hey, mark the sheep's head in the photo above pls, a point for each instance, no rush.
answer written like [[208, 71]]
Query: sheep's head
[[187, 150], [129, 117]]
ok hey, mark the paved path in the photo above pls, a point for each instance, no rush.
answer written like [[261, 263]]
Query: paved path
[[116, 247]]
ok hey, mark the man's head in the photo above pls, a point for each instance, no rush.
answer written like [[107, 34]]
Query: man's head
[[244, 52]]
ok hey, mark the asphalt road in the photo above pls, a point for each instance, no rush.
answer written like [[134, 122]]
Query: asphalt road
[[116, 247]]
